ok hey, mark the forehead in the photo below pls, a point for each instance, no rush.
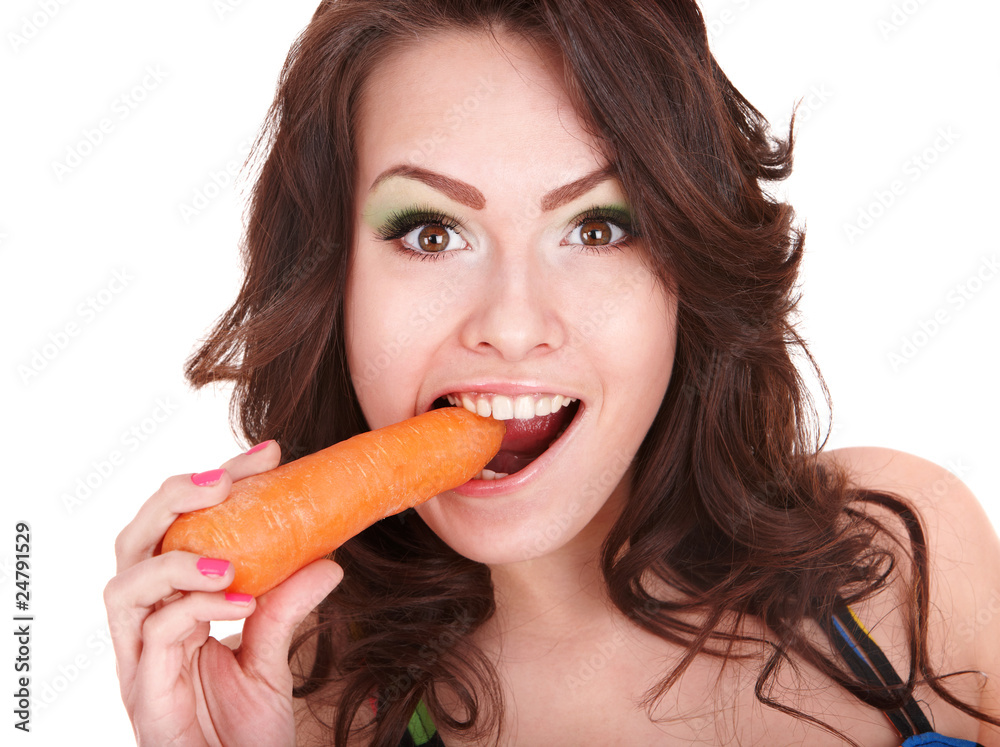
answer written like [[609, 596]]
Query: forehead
[[490, 111]]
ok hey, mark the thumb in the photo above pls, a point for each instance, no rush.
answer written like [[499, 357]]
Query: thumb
[[267, 633]]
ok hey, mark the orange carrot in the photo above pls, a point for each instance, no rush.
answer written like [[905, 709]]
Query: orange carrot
[[275, 522]]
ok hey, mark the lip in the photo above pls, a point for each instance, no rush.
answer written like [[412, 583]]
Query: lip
[[490, 488]]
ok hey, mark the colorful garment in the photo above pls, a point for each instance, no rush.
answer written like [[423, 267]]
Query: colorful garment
[[421, 731], [866, 660]]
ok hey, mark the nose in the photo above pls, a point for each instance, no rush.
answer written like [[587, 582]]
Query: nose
[[516, 312]]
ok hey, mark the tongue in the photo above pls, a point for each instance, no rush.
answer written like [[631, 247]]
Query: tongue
[[525, 440]]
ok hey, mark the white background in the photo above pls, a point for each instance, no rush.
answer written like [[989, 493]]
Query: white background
[[878, 81]]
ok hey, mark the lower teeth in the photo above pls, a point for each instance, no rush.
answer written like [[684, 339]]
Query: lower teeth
[[488, 474]]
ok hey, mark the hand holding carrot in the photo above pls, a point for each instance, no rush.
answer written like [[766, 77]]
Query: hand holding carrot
[[273, 524], [253, 528], [179, 685]]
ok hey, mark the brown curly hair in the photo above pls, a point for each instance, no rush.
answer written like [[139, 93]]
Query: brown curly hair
[[729, 504]]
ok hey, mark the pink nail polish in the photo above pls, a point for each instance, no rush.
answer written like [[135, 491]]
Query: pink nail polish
[[212, 567], [244, 599], [204, 479], [258, 447]]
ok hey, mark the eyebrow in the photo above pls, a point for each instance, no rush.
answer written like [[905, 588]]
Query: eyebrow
[[471, 197]]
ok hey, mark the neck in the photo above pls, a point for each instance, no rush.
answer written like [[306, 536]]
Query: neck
[[541, 598]]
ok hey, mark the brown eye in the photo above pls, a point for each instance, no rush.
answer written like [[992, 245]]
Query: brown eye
[[433, 238], [595, 233], [601, 228]]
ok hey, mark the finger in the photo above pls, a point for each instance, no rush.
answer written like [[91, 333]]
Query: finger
[[167, 635], [177, 495], [183, 493], [263, 457], [129, 597], [267, 635]]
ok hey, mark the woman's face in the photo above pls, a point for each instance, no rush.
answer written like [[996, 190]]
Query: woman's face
[[491, 263]]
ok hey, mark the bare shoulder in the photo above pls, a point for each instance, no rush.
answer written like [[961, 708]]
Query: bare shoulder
[[962, 542], [955, 520], [963, 556]]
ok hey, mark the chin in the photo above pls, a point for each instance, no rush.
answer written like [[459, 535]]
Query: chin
[[498, 551], [500, 531]]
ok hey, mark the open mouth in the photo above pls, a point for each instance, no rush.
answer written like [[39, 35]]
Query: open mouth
[[534, 422]]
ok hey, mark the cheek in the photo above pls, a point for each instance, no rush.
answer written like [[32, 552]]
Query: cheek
[[632, 325], [376, 336], [393, 322], [379, 337]]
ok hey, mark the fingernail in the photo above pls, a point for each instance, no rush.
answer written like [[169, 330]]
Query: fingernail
[[204, 479], [212, 567], [235, 598], [258, 447]]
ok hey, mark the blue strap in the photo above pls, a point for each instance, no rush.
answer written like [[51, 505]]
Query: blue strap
[[868, 662], [933, 739]]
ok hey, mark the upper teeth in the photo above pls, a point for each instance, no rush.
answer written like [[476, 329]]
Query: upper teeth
[[502, 407]]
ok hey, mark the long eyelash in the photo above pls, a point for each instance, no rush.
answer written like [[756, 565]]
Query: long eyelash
[[401, 222], [618, 216]]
